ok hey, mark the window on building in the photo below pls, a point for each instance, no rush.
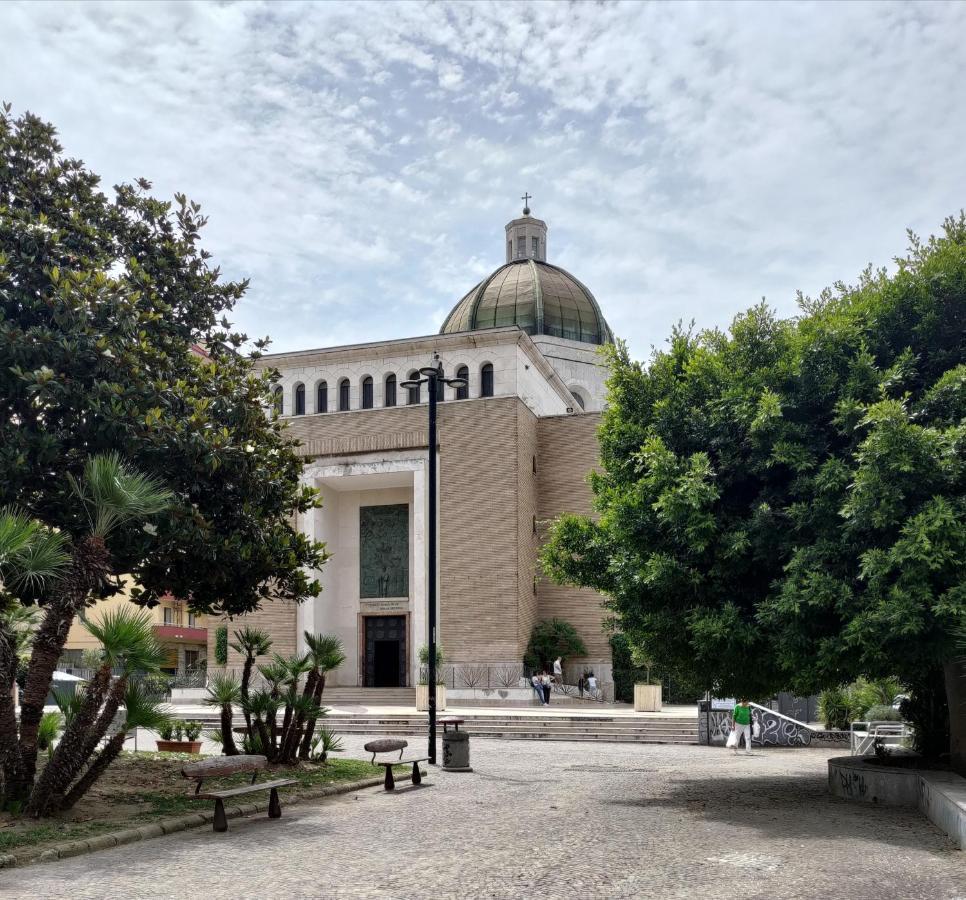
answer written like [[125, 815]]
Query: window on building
[[509, 249], [168, 615], [367, 392], [343, 395], [413, 398], [521, 247], [191, 659], [534, 464], [192, 620], [440, 391], [277, 401], [534, 524], [300, 399], [322, 397], [390, 392], [486, 380], [463, 393], [578, 398], [534, 247]]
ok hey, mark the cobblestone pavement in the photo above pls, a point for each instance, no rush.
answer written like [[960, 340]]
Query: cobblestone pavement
[[548, 820]]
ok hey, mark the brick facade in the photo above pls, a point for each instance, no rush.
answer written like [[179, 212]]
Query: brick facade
[[489, 498]]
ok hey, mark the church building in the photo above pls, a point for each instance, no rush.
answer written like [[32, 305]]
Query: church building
[[515, 449]]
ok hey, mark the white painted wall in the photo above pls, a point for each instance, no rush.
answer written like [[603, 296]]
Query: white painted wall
[[514, 374], [579, 366]]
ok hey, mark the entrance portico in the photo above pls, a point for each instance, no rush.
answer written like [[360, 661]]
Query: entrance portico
[[373, 596]]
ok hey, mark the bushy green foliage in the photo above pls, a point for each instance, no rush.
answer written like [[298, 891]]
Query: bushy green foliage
[[192, 730], [782, 506], [51, 725], [882, 714], [548, 640], [221, 645]]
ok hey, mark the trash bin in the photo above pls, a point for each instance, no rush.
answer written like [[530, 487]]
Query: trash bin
[[456, 746]]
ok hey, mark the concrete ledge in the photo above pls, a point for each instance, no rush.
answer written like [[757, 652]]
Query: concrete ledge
[[172, 825], [940, 796]]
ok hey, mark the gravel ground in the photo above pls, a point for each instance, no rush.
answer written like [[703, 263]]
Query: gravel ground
[[548, 820]]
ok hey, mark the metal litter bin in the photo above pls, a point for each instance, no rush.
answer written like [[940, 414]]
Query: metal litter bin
[[456, 746]]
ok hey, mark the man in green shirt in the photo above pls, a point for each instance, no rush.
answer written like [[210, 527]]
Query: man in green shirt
[[741, 721]]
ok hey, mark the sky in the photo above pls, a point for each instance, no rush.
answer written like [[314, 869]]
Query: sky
[[358, 161]]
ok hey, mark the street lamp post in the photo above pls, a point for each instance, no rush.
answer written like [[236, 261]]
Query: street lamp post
[[435, 378]]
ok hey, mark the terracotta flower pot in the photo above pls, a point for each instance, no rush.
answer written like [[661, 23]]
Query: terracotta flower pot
[[179, 746]]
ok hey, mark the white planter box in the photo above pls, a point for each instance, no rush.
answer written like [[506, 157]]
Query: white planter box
[[647, 698], [422, 697]]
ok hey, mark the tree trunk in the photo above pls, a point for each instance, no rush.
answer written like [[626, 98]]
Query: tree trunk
[[955, 675], [306, 747], [227, 738], [295, 735], [88, 569], [111, 751], [73, 750], [245, 682], [10, 760]]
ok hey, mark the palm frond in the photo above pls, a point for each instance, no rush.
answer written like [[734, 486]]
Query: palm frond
[[127, 639], [326, 651], [31, 555], [112, 493], [250, 640], [69, 704], [224, 689], [142, 710]]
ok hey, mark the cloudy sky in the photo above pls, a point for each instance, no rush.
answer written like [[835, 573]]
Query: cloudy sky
[[358, 161]]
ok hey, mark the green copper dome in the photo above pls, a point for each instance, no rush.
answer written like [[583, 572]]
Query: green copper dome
[[539, 297]]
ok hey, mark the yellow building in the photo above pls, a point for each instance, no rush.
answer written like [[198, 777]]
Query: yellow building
[[183, 634]]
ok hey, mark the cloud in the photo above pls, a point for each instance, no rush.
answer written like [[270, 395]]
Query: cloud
[[359, 160]]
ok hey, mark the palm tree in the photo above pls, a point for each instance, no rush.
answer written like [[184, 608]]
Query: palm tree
[[128, 645], [109, 495], [141, 710], [251, 643], [31, 559], [326, 653], [224, 691]]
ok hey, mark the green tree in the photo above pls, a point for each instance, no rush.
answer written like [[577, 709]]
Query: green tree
[[782, 506], [114, 337], [224, 691], [548, 640], [251, 643]]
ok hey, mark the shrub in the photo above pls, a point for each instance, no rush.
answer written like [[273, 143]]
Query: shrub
[[552, 638], [192, 730], [51, 725], [221, 645], [882, 714]]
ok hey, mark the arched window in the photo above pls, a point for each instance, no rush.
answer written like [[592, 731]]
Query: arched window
[[413, 397], [486, 380], [367, 392], [389, 396], [463, 393], [300, 399], [440, 391], [579, 398], [277, 396], [343, 395], [322, 397]]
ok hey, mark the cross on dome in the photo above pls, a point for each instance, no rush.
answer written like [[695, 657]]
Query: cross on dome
[[526, 198]]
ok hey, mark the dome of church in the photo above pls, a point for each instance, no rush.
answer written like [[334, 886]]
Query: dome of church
[[530, 292]]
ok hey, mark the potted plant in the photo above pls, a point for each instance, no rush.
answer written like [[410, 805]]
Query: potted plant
[[179, 737], [647, 696], [422, 689]]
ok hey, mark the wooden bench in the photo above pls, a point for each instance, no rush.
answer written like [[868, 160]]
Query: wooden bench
[[222, 766], [391, 745]]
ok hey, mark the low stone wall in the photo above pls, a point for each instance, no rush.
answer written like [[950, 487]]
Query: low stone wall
[[940, 796], [492, 697]]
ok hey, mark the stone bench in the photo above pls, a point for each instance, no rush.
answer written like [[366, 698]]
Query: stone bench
[[391, 745], [223, 766]]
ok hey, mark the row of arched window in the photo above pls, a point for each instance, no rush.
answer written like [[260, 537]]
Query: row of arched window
[[413, 395]]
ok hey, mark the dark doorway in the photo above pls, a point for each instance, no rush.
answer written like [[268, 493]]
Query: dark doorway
[[385, 651]]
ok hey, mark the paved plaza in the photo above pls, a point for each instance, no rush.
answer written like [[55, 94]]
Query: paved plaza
[[548, 820]]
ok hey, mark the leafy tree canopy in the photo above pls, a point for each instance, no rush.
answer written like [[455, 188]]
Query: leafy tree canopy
[[101, 302], [549, 639], [782, 506]]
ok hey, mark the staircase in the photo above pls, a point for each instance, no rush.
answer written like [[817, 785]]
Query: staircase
[[620, 729], [367, 696]]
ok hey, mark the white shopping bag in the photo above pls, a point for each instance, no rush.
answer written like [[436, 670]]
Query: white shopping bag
[[733, 738]]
